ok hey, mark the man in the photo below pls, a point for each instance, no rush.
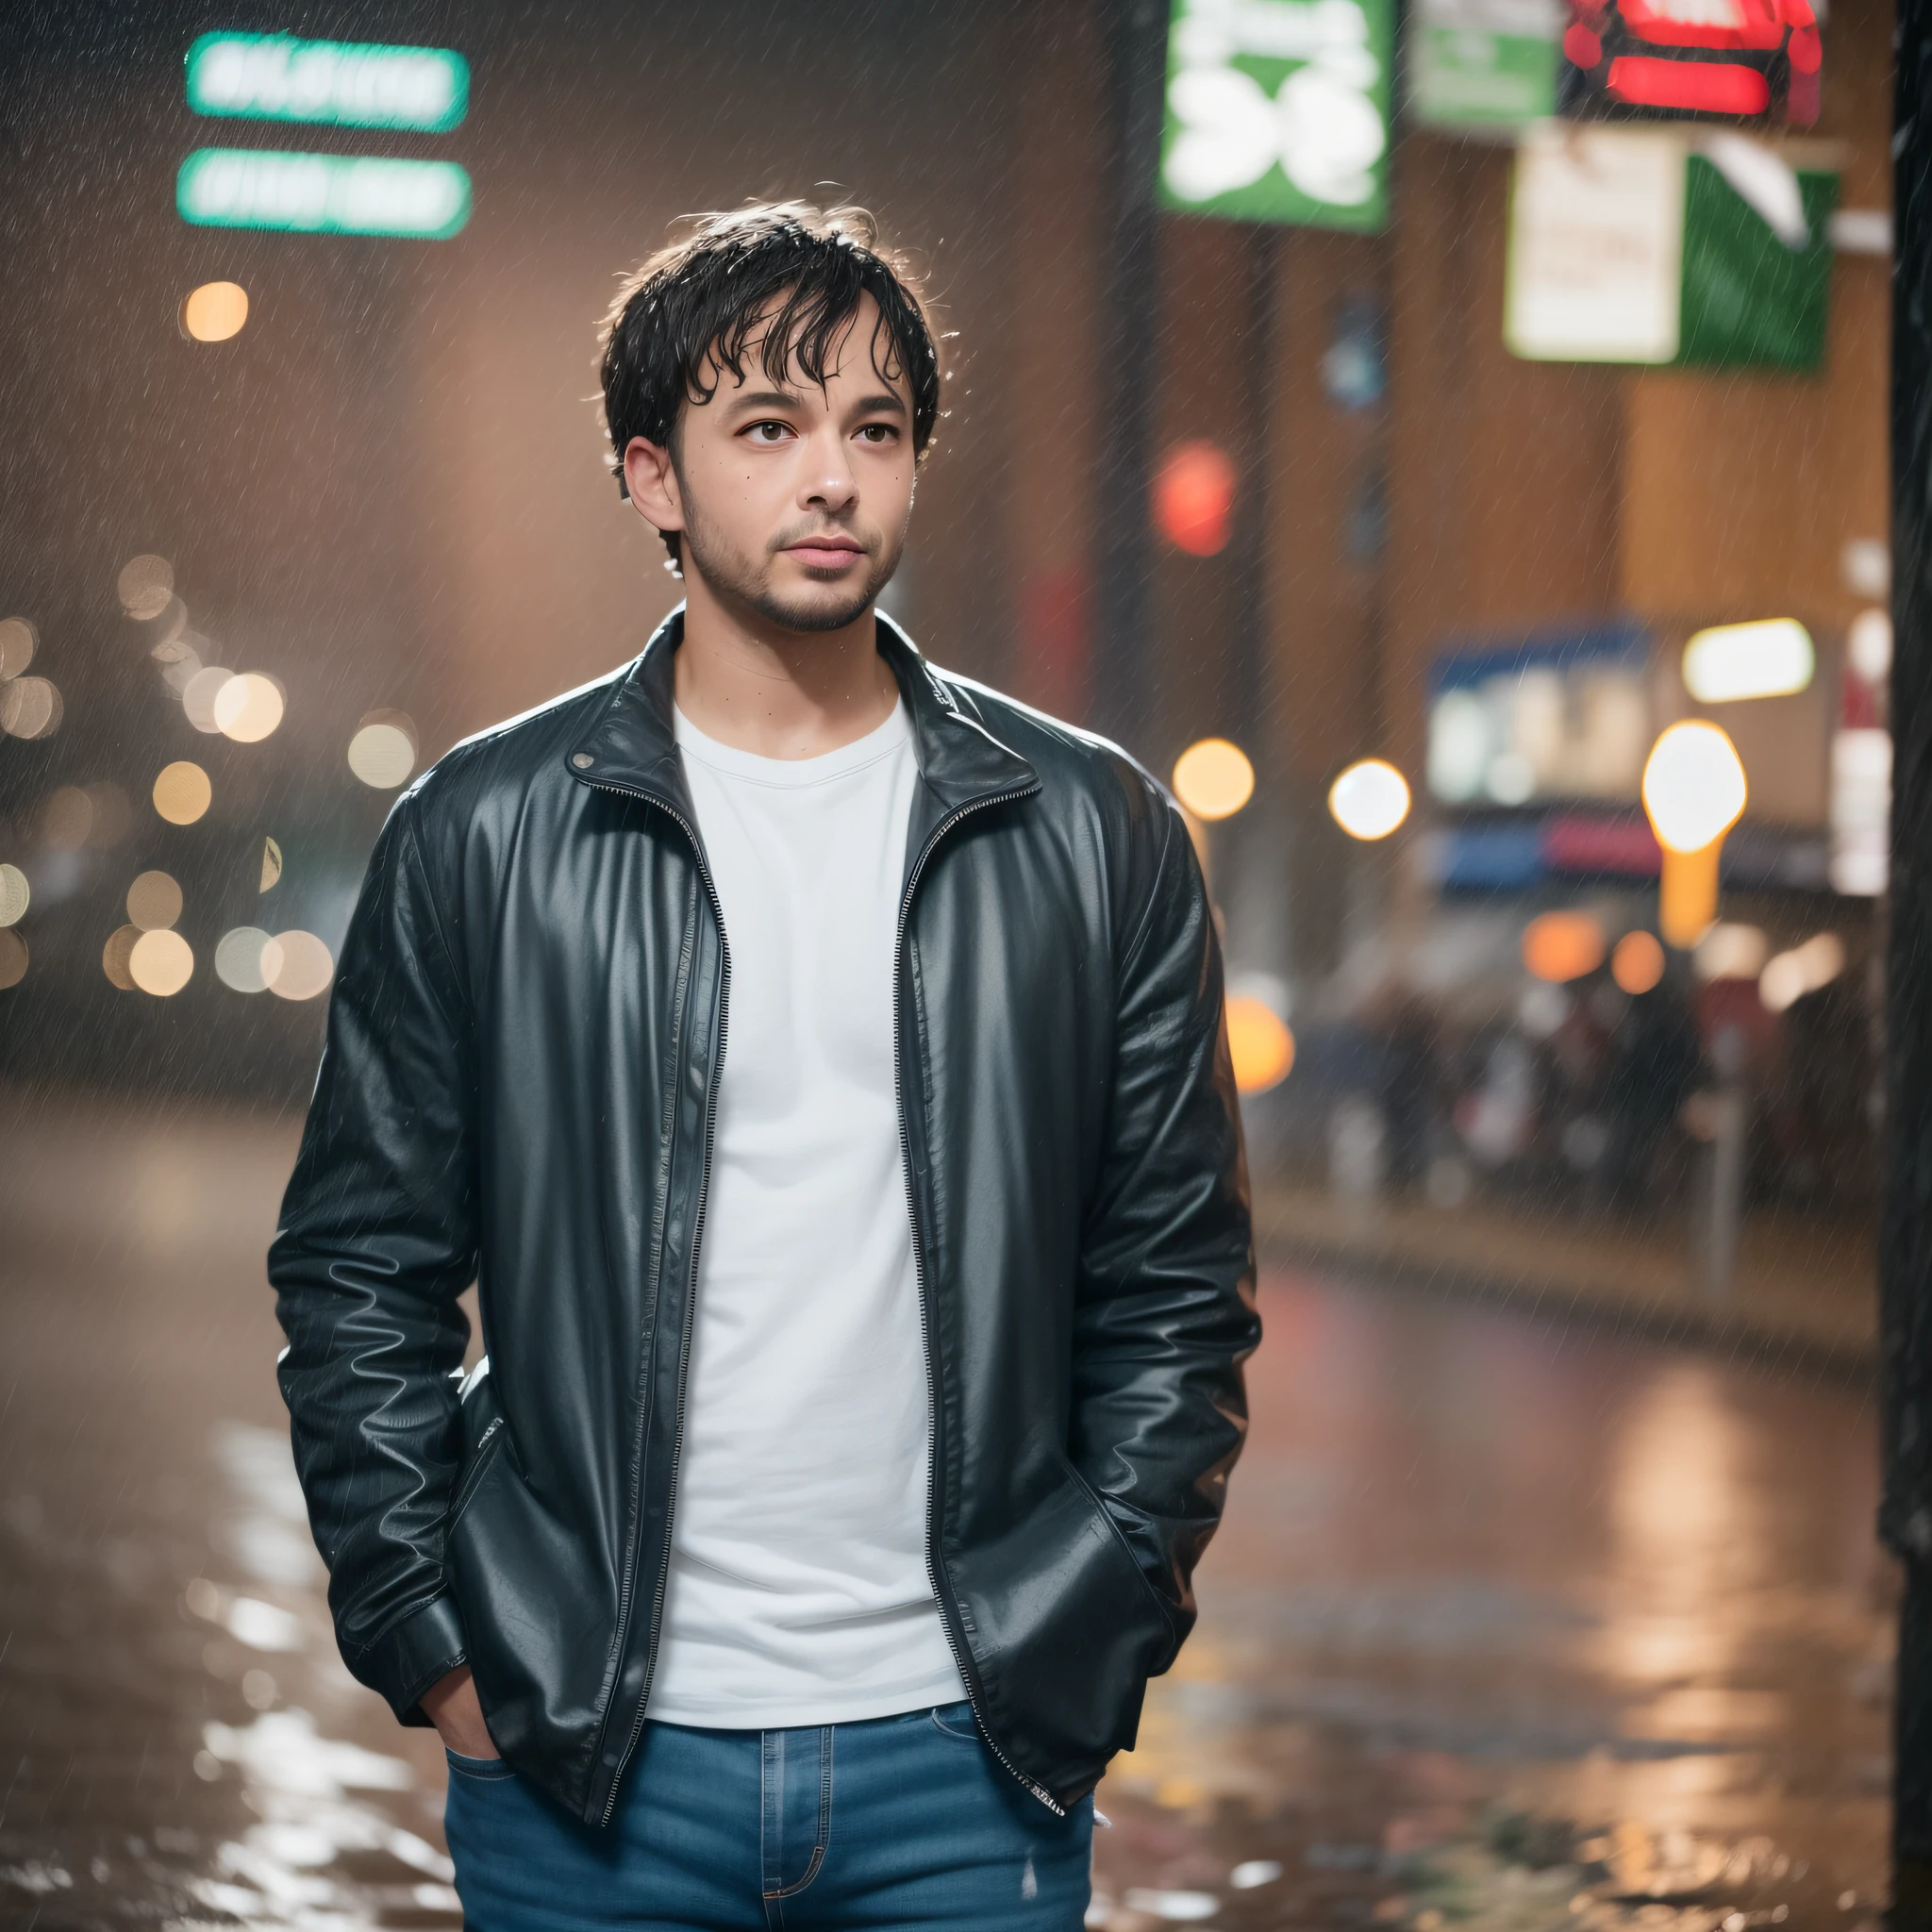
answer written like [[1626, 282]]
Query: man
[[818, 1062]]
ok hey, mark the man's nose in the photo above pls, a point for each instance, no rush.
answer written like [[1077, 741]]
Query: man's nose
[[829, 484]]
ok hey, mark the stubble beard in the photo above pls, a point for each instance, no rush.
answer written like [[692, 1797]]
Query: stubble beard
[[744, 580]]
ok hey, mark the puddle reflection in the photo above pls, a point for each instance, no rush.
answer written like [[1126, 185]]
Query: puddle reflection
[[1519, 1626], [325, 1854]]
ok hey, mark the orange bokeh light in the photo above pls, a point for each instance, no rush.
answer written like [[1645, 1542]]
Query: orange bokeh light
[[1259, 1044], [1193, 498], [215, 311], [1638, 963], [1559, 946]]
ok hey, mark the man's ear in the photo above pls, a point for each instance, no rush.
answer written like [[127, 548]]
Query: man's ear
[[652, 480]]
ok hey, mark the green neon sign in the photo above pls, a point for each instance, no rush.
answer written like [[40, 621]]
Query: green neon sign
[[321, 194], [1277, 110], [335, 83]]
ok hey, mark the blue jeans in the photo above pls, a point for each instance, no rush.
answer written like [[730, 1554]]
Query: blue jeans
[[898, 1823]]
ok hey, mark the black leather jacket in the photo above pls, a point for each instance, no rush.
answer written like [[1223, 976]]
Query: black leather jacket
[[521, 1072]]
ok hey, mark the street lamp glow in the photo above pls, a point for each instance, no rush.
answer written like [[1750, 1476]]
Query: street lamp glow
[[1213, 779], [1370, 799], [1767, 659], [1693, 785], [1695, 792]]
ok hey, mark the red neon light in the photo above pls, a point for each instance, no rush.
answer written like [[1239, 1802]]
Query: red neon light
[[1575, 844], [1732, 24], [1582, 47], [1193, 498], [1706, 87]]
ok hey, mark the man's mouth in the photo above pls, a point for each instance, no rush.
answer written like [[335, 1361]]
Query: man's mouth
[[825, 553]]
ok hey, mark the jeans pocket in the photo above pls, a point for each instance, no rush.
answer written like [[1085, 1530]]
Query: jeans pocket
[[955, 1720], [482, 1770]]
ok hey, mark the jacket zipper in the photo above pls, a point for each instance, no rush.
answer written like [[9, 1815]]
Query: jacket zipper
[[628, 1591], [472, 1474], [940, 1593]]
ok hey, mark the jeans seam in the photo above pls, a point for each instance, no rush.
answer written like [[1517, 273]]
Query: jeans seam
[[825, 1830]]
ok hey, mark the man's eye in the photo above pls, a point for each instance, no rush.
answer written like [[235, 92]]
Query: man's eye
[[880, 432], [768, 432]]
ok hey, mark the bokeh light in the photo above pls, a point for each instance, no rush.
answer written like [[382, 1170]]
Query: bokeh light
[[165, 630], [113, 814], [145, 584], [161, 962], [19, 639], [1562, 946], [66, 819], [198, 695], [179, 662], [1868, 645], [1258, 1044], [117, 953], [96, 815], [297, 965], [1638, 963], [249, 707], [271, 866], [215, 311], [1769, 659], [238, 960], [13, 957], [182, 792], [1730, 951], [384, 750], [1789, 976], [1193, 498], [154, 901], [1370, 799], [1213, 779], [15, 894], [29, 707]]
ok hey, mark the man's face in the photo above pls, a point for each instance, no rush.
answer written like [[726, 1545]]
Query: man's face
[[793, 500]]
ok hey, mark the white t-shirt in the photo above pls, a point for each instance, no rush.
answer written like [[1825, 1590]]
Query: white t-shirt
[[798, 1591]]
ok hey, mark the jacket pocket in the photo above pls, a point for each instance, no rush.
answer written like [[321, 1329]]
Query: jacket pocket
[[1065, 1629], [1098, 1503], [539, 1612]]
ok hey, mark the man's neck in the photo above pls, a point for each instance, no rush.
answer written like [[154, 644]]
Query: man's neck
[[779, 693]]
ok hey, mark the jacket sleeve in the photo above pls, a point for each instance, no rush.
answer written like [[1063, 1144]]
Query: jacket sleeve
[[1166, 1310], [378, 1239]]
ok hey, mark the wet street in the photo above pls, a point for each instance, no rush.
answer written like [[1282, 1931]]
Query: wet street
[[1511, 1623]]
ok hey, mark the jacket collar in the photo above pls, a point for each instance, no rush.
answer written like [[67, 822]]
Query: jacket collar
[[631, 743]]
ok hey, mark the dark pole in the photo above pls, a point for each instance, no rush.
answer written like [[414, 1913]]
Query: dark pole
[[1135, 43], [1248, 680], [1249, 848], [1906, 1248]]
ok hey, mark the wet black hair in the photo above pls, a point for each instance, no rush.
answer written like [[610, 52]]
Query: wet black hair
[[687, 315]]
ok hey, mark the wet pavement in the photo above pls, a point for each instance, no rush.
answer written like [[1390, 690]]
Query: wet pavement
[[1511, 1624]]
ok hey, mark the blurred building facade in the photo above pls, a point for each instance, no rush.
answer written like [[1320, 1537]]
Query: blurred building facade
[[387, 492]]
